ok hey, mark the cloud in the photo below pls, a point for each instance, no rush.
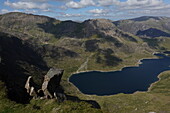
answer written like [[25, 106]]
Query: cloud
[[98, 11], [45, 0], [130, 2], [27, 5], [65, 15], [142, 2], [31, 11], [81, 4], [140, 7], [63, 7], [34, 0], [4, 11], [108, 2], [112, 9]]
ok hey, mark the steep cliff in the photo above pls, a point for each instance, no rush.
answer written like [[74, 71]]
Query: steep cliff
[[18, 61]]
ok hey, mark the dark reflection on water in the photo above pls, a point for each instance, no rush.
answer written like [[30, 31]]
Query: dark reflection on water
[[129, 80]]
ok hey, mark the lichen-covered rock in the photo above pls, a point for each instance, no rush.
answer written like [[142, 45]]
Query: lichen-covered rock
[[52, 82], [27, 85], [30, 88], [50, 87]]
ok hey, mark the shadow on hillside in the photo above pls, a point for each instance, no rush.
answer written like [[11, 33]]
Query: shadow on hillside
[[61, 29], [18, 61], [145, 18], [152, 32], [76, 99]]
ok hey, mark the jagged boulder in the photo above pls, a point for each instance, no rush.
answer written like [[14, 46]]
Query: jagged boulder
[[29, 86], [51, 85], [50, 88]]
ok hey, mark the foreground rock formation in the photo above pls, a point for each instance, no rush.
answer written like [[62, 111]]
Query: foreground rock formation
[[50, 87]]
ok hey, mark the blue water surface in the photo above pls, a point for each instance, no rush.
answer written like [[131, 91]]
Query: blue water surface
[[128, 80]]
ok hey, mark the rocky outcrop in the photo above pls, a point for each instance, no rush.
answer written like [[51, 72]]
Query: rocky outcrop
[[102, 27], [50, 87], [51, 84], [144, 23], [30, 88], [18, 62]]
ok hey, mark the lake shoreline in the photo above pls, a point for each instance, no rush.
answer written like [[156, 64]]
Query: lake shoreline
[[159, 77], [135, 65]]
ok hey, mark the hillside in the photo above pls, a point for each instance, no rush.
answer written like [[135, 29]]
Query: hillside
[[31, 44], [146, 26]]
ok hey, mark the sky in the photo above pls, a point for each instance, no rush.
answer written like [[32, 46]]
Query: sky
[[80, 10]]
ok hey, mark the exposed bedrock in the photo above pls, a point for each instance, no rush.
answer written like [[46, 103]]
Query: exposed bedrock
[[50, 87]]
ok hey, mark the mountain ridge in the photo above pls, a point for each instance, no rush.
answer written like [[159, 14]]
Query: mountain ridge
[[94, 44]]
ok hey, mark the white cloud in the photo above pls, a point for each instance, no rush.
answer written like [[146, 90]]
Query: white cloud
[[27, 5], [71, 15], [63, 7], [145, 6], [34, 0], [117, 9], [130, 2], [44, 0], [4, 11], [142, 2], [98, 11], [108, 2], [81, 4], [31, 11]]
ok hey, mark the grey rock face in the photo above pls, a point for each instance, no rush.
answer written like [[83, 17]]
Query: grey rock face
[[50, 87], [99, 26], [144, 23], [30, 88], [27, 85], [51, 82]]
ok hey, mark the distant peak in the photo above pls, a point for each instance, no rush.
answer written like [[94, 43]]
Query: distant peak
[[27, 14], [99, 19], [145, 18]]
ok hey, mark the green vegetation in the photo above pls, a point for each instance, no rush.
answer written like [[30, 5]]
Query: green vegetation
[[165, 42], [163, 86], [157, 99], [77, 47], [43, 106]]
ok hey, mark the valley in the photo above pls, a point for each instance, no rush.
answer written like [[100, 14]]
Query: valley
[[31, 44]]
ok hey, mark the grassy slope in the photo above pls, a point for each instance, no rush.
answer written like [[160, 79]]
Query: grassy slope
[[71, 65], [43, 106], [165, 43], [50, 105], [154, 100], [157, 99]]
